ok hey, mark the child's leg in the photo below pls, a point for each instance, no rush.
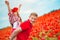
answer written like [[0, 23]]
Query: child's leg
[[11, 25], [14, 27], [14, 38]]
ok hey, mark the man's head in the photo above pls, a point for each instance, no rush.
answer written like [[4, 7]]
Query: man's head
[[33, 17]]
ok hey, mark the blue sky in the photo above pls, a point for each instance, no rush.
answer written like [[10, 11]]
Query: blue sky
[[41, 7]]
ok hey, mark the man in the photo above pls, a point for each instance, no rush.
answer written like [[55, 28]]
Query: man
[[23, 31]]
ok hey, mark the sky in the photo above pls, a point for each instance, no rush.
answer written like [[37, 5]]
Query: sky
[[41, 7]]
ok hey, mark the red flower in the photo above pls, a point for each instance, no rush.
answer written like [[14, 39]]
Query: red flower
[[50, 35], [59, 37]]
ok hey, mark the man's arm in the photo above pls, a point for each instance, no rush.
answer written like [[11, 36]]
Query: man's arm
[[8, 5], [14, 34]]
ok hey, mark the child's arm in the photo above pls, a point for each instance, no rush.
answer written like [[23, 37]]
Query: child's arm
[[14, 34], [8, 5], [18, 12], [19, 7]]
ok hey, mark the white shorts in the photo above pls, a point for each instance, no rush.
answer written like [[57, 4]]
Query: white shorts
[[15, 25]]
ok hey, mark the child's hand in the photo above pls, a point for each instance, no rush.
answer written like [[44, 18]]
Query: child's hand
[[20, 5], [7, 3]]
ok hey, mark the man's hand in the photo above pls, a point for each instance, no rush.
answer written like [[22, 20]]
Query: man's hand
[[6, 2]]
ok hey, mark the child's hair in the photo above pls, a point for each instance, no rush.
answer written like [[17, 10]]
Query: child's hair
[[34, 14], [19, 17], [15, 9]]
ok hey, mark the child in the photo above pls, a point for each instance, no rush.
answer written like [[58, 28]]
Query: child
[[23, 31], [14, 17], [13, 14]]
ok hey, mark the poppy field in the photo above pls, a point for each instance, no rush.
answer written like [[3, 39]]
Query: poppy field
[[46, 27]]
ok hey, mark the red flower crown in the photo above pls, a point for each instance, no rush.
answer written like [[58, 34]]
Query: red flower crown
[[15, 9]]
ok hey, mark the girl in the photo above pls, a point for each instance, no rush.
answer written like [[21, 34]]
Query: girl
[[13, 14], [14, 17]]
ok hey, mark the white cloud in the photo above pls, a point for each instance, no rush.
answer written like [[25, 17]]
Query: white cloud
[[4, 18], [29, 1], [25, 14], [28, 11], [53, 1], [47, 1]]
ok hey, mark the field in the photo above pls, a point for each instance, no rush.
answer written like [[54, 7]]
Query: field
[[46, 27]]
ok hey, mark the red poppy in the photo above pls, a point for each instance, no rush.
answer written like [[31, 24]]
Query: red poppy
[[59, 37]]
